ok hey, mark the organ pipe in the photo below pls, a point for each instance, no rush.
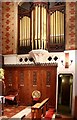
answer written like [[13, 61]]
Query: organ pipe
[[39, 27], [57, 27], [25, 31]]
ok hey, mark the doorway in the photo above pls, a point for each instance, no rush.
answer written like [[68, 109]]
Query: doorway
[[65, 87]]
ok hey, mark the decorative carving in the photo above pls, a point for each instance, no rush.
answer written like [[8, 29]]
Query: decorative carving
[[10, 78], [34, 78], [38, 55], [48, 78], [22, 78]]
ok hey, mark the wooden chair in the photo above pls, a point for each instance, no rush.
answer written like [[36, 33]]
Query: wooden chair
[[11, 97]]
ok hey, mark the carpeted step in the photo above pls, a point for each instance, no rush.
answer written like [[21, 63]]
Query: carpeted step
[[49, 114]]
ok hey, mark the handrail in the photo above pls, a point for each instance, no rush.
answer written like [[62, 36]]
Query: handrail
[[38, 107]]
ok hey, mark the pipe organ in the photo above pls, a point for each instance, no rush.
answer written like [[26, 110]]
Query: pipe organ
[[25, 31], [39, 27], [57, 27]]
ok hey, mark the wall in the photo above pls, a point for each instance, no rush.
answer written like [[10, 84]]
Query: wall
[[0, 28], [70, 25], [9, 27], [0, 34]]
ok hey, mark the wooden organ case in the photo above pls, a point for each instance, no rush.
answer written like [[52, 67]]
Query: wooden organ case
[[27, 78]]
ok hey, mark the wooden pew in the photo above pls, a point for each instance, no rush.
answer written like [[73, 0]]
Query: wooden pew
[[39, 108]]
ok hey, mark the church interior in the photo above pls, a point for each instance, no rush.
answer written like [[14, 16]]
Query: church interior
[[38, 60]]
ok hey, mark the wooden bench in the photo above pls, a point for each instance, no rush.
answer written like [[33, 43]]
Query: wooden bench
[[39, 108]]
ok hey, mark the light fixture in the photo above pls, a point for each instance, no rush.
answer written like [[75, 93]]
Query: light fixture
[[71, 61], [62, 62]]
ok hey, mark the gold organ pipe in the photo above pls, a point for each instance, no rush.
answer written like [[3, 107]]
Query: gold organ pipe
[[25, 31], [32, 29], [59, 25], [36, 27], [22, 30], [52, 28], [44, 27], [56, 27], [39, 27], [20, 33], [63, 27], [42, 30], [29, 32]]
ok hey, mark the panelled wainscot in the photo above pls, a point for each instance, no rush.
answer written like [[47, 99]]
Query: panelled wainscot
[[27, 78]]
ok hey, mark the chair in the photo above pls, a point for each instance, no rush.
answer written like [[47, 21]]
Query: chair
[[12, 97], [36, 96]]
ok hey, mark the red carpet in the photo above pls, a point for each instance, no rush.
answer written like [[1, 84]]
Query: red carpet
[[10, 110]]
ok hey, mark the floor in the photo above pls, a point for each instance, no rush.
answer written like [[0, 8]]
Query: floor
[[65, 110], [10, 111]]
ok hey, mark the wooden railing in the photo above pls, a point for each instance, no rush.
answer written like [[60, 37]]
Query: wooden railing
[[39, 109]]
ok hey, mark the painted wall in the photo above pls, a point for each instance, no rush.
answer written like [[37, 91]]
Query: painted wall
[[0, 28], [9, 27], [71, 13]]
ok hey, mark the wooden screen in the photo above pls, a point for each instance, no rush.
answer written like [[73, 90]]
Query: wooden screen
[[26, 79]]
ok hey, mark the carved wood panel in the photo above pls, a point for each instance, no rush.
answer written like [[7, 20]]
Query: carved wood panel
[[29, 78]]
